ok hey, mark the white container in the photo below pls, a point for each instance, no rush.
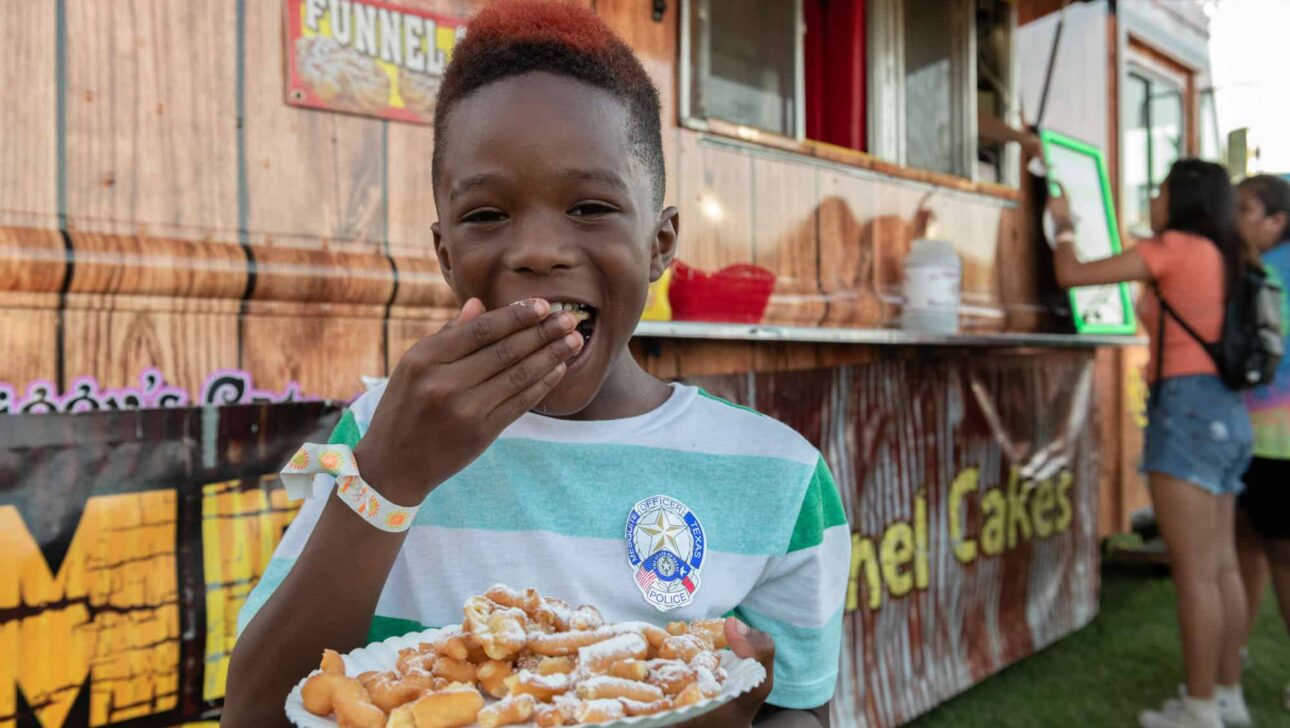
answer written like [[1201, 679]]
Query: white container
[[933, 284]]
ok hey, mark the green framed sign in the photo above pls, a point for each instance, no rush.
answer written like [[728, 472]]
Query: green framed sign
[[1081, 169]]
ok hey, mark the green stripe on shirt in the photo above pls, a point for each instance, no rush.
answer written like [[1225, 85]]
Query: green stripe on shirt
[[821, 509], [383, 628], [593, 499], [800, 651], [346, 431], [704, 393]]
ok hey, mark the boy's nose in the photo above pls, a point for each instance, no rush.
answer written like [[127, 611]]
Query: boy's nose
[[541, 252]]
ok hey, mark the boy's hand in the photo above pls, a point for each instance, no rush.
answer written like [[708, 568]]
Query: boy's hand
[[455, 391], [744, 642]]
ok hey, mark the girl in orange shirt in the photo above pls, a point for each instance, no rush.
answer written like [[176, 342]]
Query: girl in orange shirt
[[1198, 440]]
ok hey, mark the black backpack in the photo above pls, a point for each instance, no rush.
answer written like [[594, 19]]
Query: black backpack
[[1251, 343]]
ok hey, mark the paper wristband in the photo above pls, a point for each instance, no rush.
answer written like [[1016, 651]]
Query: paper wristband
[[338, 462]]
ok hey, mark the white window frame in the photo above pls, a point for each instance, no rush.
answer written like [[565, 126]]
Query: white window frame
[[885, 70], [886, 77], [1154, 73], [688, 117]]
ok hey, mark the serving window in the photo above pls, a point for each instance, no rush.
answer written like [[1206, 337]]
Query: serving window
[[899, 81]]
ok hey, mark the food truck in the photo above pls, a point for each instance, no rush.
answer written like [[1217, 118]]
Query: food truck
[[215, 232]]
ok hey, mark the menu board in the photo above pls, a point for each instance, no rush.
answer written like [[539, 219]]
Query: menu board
[[1081, 170]]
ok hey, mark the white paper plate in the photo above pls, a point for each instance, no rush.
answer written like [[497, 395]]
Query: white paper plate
[[745, 674]]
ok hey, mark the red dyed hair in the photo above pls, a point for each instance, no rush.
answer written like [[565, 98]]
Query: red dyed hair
[[512, 37]]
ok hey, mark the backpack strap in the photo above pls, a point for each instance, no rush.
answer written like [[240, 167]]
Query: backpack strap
[[1160, 340], [1206, 346]]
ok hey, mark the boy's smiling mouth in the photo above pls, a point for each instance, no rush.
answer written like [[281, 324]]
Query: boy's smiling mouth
[[585, 314]]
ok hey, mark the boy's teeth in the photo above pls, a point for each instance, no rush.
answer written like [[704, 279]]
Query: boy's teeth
[[579, 311]]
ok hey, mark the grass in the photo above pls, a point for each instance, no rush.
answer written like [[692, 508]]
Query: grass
[[1129, 658]]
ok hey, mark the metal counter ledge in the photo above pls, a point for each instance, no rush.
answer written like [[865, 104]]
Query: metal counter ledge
[[889, 337]]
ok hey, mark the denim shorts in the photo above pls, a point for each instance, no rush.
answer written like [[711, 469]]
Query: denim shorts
[[1198, 431]]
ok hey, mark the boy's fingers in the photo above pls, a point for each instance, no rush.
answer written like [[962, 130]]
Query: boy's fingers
[[748, 642], [476, 328], [499, 392], [472, 308], [512, 409], [489, 361]]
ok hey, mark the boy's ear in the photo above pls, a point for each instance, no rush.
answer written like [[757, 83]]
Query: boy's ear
[[441, 250], [663, 247]]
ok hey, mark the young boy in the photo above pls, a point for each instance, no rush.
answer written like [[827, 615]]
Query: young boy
[[533, 441]]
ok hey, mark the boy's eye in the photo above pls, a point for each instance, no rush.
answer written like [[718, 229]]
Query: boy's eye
[[483, 216], [592, 209]]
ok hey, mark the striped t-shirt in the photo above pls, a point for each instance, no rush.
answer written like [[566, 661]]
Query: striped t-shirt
[[548, 505]]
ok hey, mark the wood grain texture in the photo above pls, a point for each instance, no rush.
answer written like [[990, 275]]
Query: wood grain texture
[[311, 175], [1015, 268], [715, 191], [31, 259], [406, 327], [28, 109], [28, 338], [139, 265], [411, 208], [421, 284], [115, 338], [329, 276], [675, 358], [784, 357], [786, 238], [151, 117], [33, 263], [324, 349]]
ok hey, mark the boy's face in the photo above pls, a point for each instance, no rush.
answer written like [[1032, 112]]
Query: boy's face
[[539, 196]]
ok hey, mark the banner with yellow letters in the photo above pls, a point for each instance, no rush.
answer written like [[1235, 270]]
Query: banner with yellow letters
[[129, 539]]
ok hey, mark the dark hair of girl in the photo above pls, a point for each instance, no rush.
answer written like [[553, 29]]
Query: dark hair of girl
[[1274, 194], [1203, 202]]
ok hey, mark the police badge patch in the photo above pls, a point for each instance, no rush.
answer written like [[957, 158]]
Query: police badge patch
[[665, 547]]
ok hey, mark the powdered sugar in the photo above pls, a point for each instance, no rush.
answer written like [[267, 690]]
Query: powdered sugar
[[621, 647]]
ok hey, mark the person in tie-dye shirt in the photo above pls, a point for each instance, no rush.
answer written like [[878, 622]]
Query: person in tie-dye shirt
[[1263, 510]]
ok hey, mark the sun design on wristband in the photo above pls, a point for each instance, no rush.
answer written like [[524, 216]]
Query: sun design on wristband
[[300, 460], [396, 519], [331, 461]]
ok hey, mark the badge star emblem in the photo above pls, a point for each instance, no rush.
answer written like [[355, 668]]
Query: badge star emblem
[[663, 532]]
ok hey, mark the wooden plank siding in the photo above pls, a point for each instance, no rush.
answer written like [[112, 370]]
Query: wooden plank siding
[[161, 206]]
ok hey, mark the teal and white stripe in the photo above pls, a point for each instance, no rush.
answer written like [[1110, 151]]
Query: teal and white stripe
[[546, 506]]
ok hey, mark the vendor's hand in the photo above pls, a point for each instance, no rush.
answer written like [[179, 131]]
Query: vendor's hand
[[738, 713], [455, 391], [1031, 145], [1059, 206]]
